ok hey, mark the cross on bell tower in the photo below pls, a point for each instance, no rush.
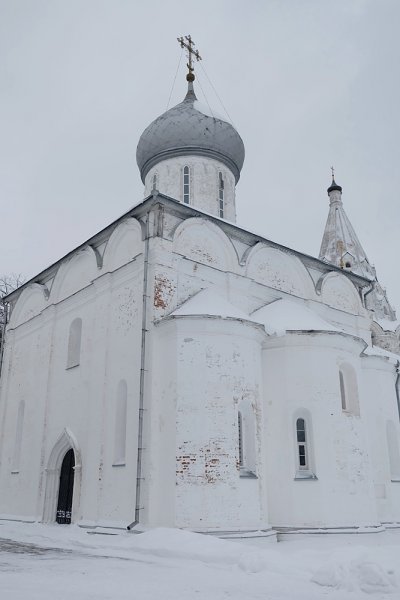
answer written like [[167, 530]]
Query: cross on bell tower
[[189, 45]]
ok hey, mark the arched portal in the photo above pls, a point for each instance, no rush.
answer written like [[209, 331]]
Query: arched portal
[[65, 446], [66, 489]]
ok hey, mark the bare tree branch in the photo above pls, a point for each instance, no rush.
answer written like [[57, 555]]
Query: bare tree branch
[[8, 283]]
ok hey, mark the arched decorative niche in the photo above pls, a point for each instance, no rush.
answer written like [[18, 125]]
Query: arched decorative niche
[[204, 242], [247, 439], [75, 274], [279, 270], [32, 301], [119, 459], [339, 292], [74, 343], [65, 442], [393, 451], [123, 245], [18, 437], [348, 389]]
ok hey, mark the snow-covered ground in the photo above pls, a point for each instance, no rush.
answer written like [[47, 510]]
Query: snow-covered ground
[[64, 562]]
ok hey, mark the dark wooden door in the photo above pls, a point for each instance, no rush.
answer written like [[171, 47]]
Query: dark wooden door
[[66, 490]]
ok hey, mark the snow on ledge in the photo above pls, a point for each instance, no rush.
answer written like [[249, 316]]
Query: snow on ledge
[[286, 315], [209, 303], [376, 351], [387, 324]]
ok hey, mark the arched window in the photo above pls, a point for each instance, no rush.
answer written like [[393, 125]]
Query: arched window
[[393, 450], [348, 389], [304, 452], [120, 425], [246, 422], [186, 185], [74, 343], [18, 438], [221, 195]]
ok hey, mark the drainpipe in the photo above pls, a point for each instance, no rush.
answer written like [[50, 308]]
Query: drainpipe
[[396, 385], [3, 332], [142, 377]]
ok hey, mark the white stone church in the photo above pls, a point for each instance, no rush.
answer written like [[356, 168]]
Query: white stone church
[[177, 370]]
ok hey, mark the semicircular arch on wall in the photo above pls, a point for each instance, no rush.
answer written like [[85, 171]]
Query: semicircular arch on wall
[[31, 302], [123, 245], [74, 274], [65, 442], [204, 242], [279, 270], [339, 292]]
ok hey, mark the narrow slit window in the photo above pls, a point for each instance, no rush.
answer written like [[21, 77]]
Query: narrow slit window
[[221, 195], [342, 391], [240, 438], [301, 444], [186, 185], [154, 181]]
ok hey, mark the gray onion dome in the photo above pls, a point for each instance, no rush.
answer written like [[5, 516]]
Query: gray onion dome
[[190, 128]]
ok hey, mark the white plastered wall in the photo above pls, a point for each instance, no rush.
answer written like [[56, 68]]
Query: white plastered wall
[[378, 389], [204, 183], [301, 375], [206, 367]]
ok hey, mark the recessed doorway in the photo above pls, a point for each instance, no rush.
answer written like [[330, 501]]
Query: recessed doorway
[[66, 489]]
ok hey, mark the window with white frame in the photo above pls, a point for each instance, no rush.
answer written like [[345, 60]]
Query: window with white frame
[[186, 185], [304, 453], [221, 195], [301, 437], [74, 343]]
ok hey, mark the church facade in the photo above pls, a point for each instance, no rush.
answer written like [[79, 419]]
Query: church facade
[[177, 370]]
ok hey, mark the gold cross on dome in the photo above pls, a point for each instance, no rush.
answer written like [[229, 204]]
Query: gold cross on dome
[[189, 45]]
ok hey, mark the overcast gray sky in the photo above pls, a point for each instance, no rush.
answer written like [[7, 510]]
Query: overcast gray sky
[[308, 84]]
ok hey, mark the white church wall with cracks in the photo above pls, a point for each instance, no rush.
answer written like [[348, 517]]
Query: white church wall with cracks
[[213, 366], [301, 380], [378, 389], [66, 395], [203, 190], [29, 348]]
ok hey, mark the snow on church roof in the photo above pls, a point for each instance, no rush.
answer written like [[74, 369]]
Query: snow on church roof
[[278, 317], [285, 315], [376, 351], [209, 303]]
